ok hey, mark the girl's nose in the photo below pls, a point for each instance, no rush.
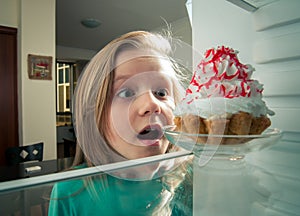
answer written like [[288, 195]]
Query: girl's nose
[[148, 104]]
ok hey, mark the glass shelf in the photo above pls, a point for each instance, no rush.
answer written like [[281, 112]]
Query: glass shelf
[[265, 183]]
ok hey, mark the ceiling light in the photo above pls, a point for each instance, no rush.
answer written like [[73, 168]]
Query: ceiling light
[[90, 23]]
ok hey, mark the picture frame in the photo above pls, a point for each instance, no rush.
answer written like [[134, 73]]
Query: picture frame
[[39, 67]]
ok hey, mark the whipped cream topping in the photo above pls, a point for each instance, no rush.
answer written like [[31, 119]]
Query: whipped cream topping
[[222, 84]]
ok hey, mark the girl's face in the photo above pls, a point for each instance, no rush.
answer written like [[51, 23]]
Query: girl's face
[[142, 104]]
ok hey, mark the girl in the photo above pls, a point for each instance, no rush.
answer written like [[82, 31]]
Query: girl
[[125, 96]]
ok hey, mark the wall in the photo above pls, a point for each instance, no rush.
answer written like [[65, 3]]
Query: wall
[[35, 21], [71, 53], [223, 25], [268, 39], [9, 13], [181, 30], [38, 97], [276, 50]]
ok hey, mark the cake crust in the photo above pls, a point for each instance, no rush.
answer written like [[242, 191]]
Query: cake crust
[[240, 123]]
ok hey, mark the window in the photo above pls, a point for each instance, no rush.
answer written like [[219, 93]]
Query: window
[[65, 85], [67, 74]]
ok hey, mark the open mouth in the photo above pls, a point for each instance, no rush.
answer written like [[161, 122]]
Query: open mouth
[[151, 132]]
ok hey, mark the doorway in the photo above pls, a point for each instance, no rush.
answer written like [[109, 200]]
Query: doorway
[[67, 74], [9, 127]]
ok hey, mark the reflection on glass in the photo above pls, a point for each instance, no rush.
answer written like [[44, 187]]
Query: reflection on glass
[[103, 190]]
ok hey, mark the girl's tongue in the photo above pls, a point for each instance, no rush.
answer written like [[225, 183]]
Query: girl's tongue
[[150, 135]]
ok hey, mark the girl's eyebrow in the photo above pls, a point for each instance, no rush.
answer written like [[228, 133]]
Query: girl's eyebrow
[[121, 77], [119, 80]]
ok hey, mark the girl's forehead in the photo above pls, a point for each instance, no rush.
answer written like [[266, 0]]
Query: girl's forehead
[[143, 71], [128, 55], [144, 64]]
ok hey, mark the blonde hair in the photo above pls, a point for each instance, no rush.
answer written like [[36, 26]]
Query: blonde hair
[[93, 93]]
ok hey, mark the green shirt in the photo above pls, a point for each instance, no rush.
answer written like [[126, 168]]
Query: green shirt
[[113, 196]]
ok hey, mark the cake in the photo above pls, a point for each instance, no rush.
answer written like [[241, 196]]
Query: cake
[[223, 99]]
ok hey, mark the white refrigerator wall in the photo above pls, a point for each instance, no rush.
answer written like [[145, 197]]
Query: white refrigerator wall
[[268, 38]]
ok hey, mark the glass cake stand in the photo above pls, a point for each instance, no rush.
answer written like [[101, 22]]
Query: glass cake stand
[[211, 145], [224, 184]]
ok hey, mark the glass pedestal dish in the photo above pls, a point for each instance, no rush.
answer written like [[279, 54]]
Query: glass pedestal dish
[[223, 183]]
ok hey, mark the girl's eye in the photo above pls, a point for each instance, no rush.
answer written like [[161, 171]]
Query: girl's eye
[[126, 93], [161, 93]]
